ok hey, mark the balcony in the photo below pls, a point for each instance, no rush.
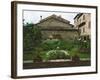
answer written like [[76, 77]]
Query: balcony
[[82, 24]]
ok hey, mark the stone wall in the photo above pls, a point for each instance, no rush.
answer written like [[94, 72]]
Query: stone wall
[[52, 23], [55, 28], [66, 35]]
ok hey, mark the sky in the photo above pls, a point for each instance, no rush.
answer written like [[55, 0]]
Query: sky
[[31, 16]]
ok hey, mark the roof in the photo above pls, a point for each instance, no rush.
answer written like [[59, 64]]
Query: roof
[[58, 27], [78, 15], [57, 18]]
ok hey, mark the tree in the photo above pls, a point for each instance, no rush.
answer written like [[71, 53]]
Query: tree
[[31, 37]]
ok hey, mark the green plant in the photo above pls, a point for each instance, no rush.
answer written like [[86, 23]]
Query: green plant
[[56, 54], [54, 43], [74, 52], [37, 55], [31, 37]]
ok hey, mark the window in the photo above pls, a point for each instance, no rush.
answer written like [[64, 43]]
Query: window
[[79, 31], [80, 20], [89, 25], [85, 38], [83, 30], [83, 17], [77, 19]]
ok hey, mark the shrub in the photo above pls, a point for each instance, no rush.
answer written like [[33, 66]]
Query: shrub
[[37, 55], [75, 54], [54, 43], [56, 54]]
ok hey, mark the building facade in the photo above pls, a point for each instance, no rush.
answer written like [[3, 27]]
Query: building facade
[[82, 22], [57, 27]]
